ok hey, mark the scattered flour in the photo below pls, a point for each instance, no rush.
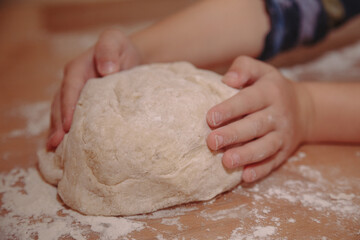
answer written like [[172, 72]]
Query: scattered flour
[[316, 220], [264, 231], [255, 188], [237, 213], [160, 237], [299, 156], [30, 209], [210, 202], [291, 220], [266, 210], [314, 194], [37, 119], [333, 63], [342, 196], [258, 232], [173, 221]]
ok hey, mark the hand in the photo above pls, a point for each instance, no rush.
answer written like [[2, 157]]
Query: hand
[[262, 124], [112, 53]]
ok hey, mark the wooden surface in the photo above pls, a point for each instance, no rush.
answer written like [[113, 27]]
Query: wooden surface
[[316, 195]]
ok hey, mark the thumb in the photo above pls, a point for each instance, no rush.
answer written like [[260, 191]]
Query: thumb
[[245, 71], [108, 50]]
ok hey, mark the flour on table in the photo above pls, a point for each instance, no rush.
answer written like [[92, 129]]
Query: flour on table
[[258, 232], [298, 157], [37, 117], [173, 221], [291, 220], [264, 231], [333, 63], [236, 212], [314, 194], [30, 208]]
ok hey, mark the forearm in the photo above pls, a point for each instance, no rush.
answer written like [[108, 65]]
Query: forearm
[[335, 112], [207, 34]]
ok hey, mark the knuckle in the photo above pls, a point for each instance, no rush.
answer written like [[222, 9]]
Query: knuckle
[[257, 127], [247, 156], [242, 61], [68, 67], [274, 145], [210, 140], [226, 159]]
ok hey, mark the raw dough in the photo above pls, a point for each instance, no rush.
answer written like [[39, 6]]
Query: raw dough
[[137, 142]]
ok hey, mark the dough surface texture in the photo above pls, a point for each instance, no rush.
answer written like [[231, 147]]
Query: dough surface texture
[[137, 142]]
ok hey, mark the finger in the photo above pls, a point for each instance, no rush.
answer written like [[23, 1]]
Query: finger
[[244, 71], [56, 132], [250, 127], [244, 102], [108, 51], [129, 57], [260, 170], [75, 76], [252, 152]]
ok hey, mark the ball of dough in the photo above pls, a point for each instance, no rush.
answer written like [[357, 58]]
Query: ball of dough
[[137, 142]]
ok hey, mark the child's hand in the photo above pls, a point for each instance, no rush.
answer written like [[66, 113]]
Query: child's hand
[[262, 124], [112, 53]]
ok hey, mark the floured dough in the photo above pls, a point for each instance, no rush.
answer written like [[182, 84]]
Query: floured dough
[[137, 142]]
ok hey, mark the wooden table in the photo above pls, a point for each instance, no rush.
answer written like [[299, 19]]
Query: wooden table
[[315, 195]]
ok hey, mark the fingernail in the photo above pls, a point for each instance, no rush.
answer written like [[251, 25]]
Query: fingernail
[[108, 67], [218, 141], [235, 160], [216, 118], [231, 77]]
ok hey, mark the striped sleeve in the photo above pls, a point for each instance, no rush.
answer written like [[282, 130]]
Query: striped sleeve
[[297, 22]]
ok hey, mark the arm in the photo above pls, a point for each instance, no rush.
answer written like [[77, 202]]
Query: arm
[[206, 34], [336, 112]]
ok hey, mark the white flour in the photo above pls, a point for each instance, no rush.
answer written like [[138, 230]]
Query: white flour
[[264, 231], [235, 213], [297, 157], [258, 232], [173, 221], [331, 66], [37, 117], [314, 194], [31, 208]]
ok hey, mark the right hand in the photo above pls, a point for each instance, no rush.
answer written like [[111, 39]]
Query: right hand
[[113, 52]]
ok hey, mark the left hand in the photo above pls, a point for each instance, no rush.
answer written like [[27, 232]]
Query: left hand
[[262, 124]]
